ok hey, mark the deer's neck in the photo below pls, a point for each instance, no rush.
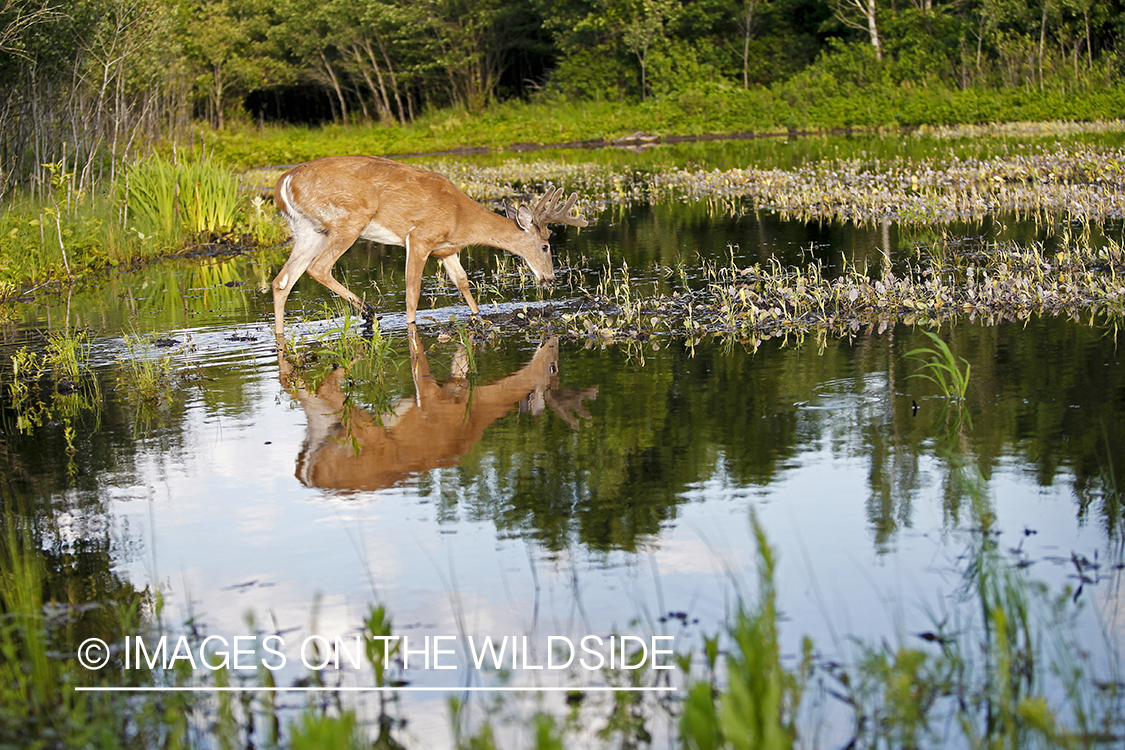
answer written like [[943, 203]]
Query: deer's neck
[[490, 228]]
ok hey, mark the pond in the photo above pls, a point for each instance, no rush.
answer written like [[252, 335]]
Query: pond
[[481, 484]]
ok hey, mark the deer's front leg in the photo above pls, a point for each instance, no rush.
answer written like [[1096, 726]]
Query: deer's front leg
[[416, 256], [457, 273]]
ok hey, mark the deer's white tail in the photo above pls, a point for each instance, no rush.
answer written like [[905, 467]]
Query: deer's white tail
[[284, 199]]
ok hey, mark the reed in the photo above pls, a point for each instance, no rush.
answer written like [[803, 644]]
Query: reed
[[150, 193], [209, 197]]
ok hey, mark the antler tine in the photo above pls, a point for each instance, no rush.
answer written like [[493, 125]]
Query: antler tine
[[548, 209], [563, 214], [545, 201]]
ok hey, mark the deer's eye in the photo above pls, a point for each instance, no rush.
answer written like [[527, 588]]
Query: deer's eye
[[546, 248]]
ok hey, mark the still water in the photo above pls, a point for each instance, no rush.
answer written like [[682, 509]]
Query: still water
[[568, 489]]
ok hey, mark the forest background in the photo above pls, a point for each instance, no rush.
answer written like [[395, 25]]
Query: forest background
[[86, 85]]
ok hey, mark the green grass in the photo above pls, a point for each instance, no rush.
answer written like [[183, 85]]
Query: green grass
[[719, 109], [940, 367], [757, 708], [146, 372]]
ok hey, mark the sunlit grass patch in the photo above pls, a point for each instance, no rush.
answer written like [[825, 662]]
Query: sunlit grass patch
[[166, 197]]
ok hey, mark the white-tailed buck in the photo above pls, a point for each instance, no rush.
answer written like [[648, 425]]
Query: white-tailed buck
[[348, 448], [332, 202]]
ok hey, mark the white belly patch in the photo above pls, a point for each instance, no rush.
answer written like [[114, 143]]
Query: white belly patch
[[379, 233]]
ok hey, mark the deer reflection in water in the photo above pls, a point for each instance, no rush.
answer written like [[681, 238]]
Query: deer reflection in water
[[348, 448]]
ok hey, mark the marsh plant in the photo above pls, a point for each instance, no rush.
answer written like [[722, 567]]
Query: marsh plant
[[39, 635], [351, 342], [758, 706], [352, 356], [146, 371], [165, 196], [940, 367], [55, 385]]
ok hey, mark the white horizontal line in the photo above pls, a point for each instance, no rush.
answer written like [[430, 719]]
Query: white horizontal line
[[252, 689]]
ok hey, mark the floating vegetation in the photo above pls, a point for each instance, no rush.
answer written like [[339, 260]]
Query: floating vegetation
[[1005, 281], [1081, 181]]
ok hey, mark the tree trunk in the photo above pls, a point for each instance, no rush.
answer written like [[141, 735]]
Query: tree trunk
[[330, 74], [747, 29], [217, 75], [873, 30], [1043, 40]]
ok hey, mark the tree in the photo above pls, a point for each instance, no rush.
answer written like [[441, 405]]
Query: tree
[[747, 21], [645, 30], [378, 49], [17, 17], [846, 11]]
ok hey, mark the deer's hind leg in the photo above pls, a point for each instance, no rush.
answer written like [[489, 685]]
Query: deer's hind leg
[[340, 240], [308, 243]]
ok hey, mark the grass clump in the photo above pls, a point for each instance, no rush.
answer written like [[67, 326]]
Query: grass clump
[[940, 367], [146, 372], [55, 385], [158, 208]]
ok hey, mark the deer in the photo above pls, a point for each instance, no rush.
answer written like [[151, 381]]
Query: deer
[[348, 448], [329, 203]]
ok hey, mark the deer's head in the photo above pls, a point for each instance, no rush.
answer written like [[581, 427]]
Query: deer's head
[[550, 209]]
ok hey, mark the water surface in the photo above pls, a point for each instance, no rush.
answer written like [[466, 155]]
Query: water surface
[[566, 488]]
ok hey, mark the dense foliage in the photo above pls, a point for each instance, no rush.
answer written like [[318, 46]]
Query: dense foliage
[[85, 82]]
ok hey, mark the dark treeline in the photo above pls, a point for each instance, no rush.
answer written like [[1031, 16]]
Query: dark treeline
[[85, 82]]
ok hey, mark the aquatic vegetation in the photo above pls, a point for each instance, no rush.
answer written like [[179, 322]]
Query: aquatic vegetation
[[759, 702], [353, 340], [39, 635], [940, 367], [1001, 281], [146, 372], [1073, 179], [149, 193], [56, 385]]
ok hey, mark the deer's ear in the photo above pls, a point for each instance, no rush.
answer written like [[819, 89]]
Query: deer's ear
[[509, 209], [523, 218]]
